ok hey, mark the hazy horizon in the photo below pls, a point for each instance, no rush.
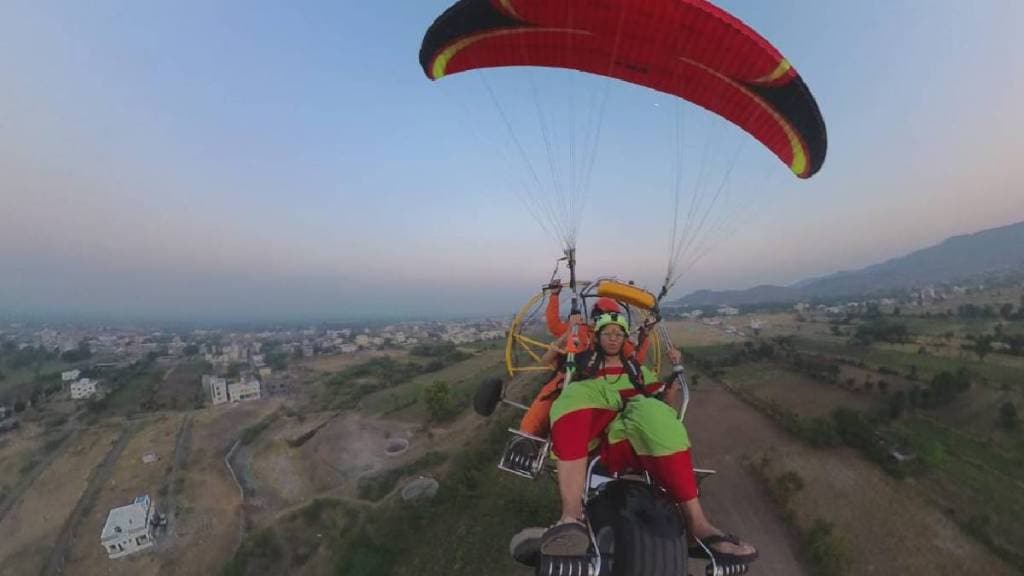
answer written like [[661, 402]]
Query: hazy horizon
[[238, 162]]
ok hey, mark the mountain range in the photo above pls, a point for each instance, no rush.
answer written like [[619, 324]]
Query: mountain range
[[957, 258]]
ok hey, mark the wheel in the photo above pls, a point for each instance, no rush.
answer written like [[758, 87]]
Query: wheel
[[639, 531], [488, 394]]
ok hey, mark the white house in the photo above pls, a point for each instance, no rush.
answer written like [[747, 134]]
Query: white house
[[218, 390], [128, 528], [83, 388], [70, 375], [242, 391], [728, 311]]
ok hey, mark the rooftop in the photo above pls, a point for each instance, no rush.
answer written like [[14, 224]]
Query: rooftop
[[126, 519]]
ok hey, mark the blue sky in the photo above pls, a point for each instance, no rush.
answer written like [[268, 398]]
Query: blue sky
[[272, 160]]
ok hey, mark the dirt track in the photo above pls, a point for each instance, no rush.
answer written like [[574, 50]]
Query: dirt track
[[723, 430], [878, 518]]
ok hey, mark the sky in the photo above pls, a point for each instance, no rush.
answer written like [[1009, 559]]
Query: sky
[[276, 160]]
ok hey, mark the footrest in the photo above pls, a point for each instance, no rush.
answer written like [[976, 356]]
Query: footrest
[[524, 454]]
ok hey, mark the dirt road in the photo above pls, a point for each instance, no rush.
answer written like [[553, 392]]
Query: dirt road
[[724, 430]]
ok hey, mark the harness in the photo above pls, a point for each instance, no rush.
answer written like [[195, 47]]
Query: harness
[[630, 366]]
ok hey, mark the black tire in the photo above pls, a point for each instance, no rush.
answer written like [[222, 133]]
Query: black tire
[[639, 530], [488, 394]]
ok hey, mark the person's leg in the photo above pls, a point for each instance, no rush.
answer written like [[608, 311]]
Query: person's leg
[[572, 477], [536, 421], [578, 416], [662, 445]]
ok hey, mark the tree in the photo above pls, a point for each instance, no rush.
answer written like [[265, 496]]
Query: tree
[[1016, 343], [1006, 310], [883, 387], [191, 350], [896, 311], [277, 360], [897, 404], [1008, 416], [983, 347], [82, 352], [914, 398], [439, 402], [234, 370]]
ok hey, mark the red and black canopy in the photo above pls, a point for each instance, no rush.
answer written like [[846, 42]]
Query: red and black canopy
[[687, 48]]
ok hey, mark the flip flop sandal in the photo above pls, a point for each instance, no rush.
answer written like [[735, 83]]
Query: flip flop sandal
[[697, 551]]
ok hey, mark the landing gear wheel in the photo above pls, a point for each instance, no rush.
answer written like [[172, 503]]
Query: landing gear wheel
[[487, 397], [639, 531]]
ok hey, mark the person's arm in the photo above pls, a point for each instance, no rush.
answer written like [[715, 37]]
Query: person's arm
[[558, 347], [553, 315], [555, 349], [673, 395], [644, 340], [642, 348]]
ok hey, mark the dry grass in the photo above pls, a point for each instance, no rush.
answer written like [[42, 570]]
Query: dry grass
[[796, 392], [130, 478], [29, 531], [339, 362], [18, 450], [887, 526], [208, 522]]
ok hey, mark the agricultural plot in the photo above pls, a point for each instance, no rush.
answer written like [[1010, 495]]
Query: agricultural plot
[[402, 400], [339, 362], [877, 518], [181, 388], [794, 391], [976, 482]]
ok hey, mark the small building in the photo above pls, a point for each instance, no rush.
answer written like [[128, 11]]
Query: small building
[[265, 372], [218, 390], [244, 390], [728, 311], [70, 375], [4, 410], [128, 529], [83, 388]]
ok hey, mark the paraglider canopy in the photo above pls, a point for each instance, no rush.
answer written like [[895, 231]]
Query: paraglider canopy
[[687, 48]]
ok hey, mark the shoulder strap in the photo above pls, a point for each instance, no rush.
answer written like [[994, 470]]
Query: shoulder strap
[[636, 375]]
